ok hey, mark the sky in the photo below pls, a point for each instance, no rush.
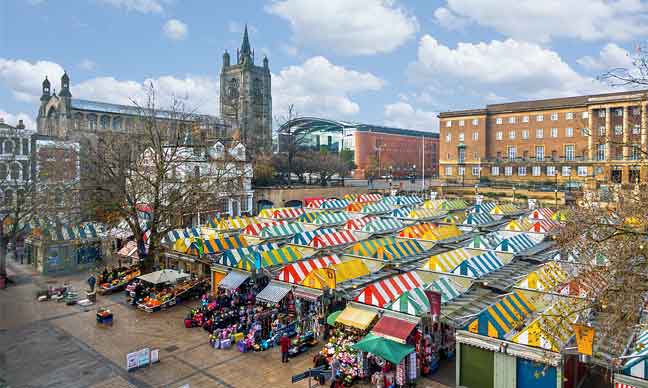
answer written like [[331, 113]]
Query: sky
[[387, 62]]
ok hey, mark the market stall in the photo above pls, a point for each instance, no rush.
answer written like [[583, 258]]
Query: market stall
[[165, 288], [116, 280]]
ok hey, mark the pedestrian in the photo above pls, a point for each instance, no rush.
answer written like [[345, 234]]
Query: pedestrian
[[335, 370], [284, 342], [92, 281]]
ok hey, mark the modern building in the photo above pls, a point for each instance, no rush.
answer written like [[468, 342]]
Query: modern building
[[377, 150], [246, 98], [572, 141]]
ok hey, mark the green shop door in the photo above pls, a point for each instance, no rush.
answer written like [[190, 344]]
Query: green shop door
[[476, 367]]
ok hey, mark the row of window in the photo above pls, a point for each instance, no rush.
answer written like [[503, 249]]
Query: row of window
[[521, 171], [553, 117]]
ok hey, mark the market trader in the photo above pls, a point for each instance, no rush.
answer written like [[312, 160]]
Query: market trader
[[285, 344]]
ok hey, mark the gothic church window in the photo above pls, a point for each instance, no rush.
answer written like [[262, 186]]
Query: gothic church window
[[92, 122], [256, 89], [233, 91], [15, 171], [78, 120], [117, 123]]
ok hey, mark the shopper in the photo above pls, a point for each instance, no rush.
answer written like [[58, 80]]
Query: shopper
[[285, 344], [335, 370], [92, 281]]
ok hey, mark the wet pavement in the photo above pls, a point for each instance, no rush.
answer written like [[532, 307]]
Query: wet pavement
[[50, 344]]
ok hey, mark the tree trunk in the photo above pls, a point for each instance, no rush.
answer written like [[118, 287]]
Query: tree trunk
[[3, 258]]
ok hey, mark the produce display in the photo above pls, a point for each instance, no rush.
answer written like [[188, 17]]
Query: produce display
[[168, 296], [123, 278]]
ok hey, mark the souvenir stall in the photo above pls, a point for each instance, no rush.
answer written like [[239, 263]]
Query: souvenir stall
[[161, 289], [349, 326], [129, 253]]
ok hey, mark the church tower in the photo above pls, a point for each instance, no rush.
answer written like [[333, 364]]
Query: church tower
[[246, 98]]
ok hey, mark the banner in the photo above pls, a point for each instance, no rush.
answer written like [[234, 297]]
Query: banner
[[131, 361], [331, 282], [433, 195], [584, 338], [435, 302], [532, 203]]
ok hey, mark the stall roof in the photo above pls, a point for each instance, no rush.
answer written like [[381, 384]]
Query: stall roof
[[478, 266], [516, 244], [545, 278], [442, 233], [399, 250], [502, 317], [391, 351], [384, 291], [447, 261], [358, 223], [382, 225], [329, 218], [297, 272], [163, 276], [273, 293], [304, 238], [369, 247], [393, 328], [356, 317], [416, 230], [464, 307], [344, 271], [335, 239], [233, 280]]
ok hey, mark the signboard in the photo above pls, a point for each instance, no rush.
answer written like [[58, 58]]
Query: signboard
[[584, 338], [532, 203], [478, 199], [143, 357], [435, 302], [155, 355], [433, 195], [131, 361]]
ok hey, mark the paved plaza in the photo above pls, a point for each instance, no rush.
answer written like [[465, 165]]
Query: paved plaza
[[50, 344]]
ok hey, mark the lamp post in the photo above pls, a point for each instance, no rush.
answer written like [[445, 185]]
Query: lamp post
[[556, 196], [513, 193]]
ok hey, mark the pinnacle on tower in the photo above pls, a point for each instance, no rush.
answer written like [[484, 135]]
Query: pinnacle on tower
[[245, 46]]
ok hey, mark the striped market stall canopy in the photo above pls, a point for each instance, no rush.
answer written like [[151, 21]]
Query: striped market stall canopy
[[516, 244], [376, 208], [560, 216], [636, 364], [519, 225], [484, 207], [416, 230], [232, 223], [506, 208], [401, 212], [212, 247], [426, 214], [543, 226], [415, 302], [369, 247], [67, 232], [447, 261], [541, 214], [295, 273], [271, 258], [387, 290], [315, 203], [176, 234], [281, 230], [453, 204], [399, 250], [456, 218], [546, 278], [402, 200], [308, 217], [489, 242], [368, 197], [282, 213], [478, 219], [478, 266], [355, 207], [334, 204], [382, 225], [344, 271], [502, 317], [304, 238], [358, 223], [442, 233], [330, 219], [232, 257], [587, 282], [335, 239], [552, 328], [255, 229]]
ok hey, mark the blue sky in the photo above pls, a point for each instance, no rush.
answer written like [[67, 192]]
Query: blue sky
[[391, 62]]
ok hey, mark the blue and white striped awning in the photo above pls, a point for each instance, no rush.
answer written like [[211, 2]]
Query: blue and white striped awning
[[401, 212], [516, 244], [401, 200], [304, 238], [478, 266], [445, 287], [331, 218], [231, 257], [376, 208], [638, 357], [177, 234], [382, 225], [484, 207], [334, 204], [489, 241]]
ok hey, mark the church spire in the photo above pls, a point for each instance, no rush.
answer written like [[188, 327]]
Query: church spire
[[245, 46]]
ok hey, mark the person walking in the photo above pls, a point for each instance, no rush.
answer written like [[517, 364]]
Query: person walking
[[335, 370], [92, 281], [284, 342]]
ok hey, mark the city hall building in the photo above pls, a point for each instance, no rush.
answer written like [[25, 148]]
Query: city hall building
[[574, 141]]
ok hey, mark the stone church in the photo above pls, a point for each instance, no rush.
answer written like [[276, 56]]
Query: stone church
[[245, 105]]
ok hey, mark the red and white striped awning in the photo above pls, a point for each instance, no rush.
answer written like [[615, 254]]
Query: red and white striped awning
[[622, 385], [296, 272], [543, 226], [315, 203], [256, 228], [358, 223], [287, 213], [326, 240], [543, 213], [387, 290], [369, 198]]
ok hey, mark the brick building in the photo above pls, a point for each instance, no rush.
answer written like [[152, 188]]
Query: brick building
[[574, 141], [377, 150]]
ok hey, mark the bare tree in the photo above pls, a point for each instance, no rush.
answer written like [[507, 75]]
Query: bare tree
[[291, 141], [158, 173]]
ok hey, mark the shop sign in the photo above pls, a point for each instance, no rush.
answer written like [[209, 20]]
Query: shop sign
[[532, 203], [131, 361], [142, 358], [584, 339], [433, 195], [479, 199]]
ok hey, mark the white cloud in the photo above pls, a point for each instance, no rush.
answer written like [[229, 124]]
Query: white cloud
[[142, 6], [521, 69], [541, 21], [174, 29], [87, 64], [24, 78], [358, 27], [12, 119], [320, 88], [402, 114], [449, 20], [610, 57]]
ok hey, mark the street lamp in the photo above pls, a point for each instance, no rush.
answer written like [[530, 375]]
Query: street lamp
[[513, 193], [556, 196], [476, 189]]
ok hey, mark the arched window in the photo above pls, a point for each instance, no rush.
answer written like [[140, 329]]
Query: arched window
[[3, 171], [233, 91], [16, 171], [257, 90], [117, 123], [8, 147], [8, 197], [92, 122], [78, 120], [105, 122]]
